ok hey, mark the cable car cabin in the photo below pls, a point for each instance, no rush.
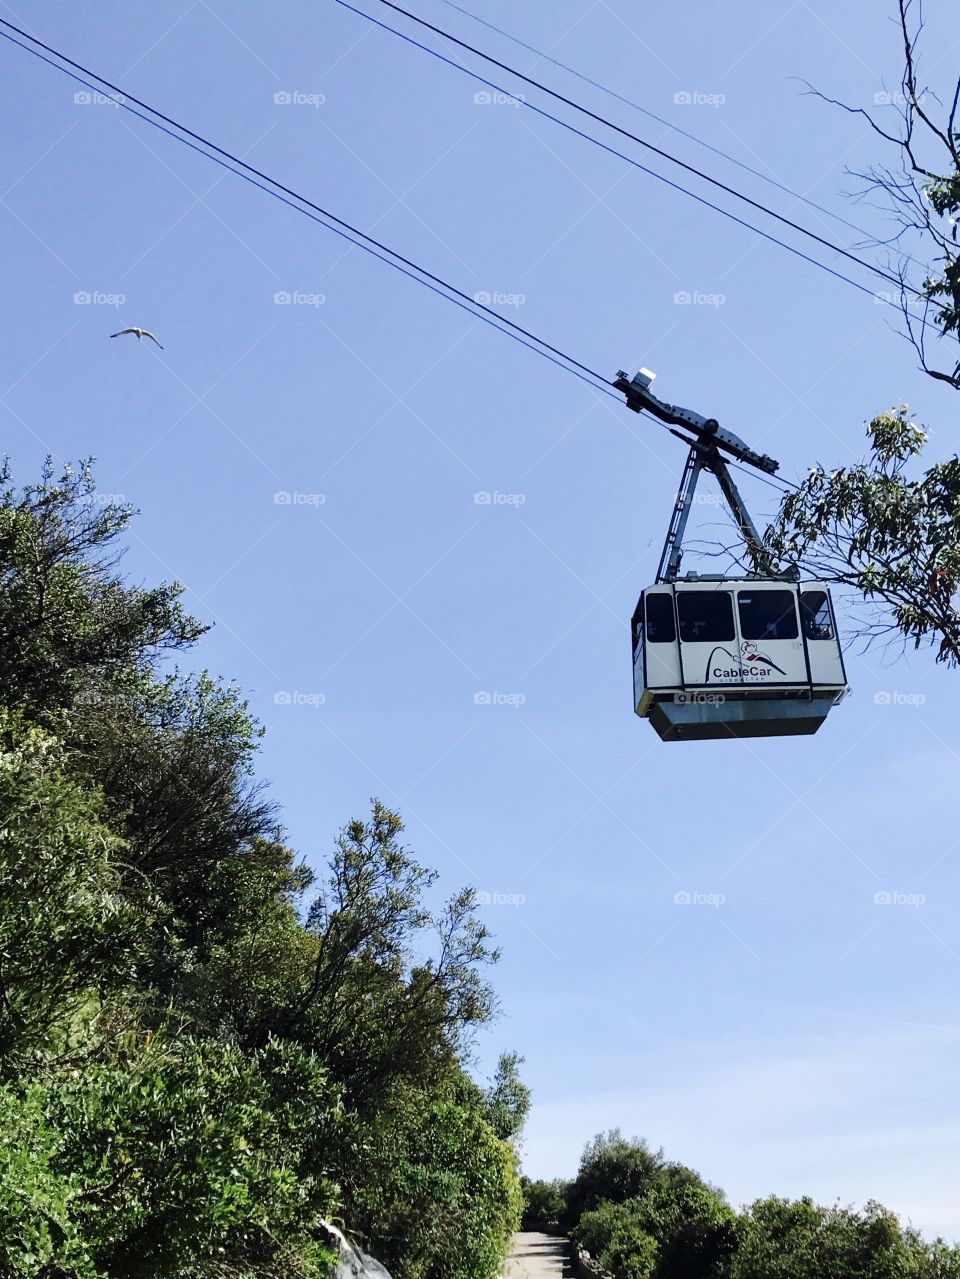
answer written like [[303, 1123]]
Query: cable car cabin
[[734, 657]]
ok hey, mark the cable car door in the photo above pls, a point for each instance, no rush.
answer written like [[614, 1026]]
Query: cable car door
[[771, 649], [709, 643]]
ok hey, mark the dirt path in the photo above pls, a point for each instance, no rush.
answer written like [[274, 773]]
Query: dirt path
[[536, 1256]]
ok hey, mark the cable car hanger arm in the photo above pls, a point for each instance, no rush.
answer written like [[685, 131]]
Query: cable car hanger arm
[[706, 429]]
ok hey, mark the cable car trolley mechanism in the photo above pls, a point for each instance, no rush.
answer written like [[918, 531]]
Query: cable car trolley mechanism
[[717, 656]]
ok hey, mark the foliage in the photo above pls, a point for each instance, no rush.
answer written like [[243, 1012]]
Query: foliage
[[611, 1168], [197, 1160], [205, 1051], [802, 1240], [678, 1227], [68, 938], [894, 538], [508, 1098], [66, 618], [543, 1201], [432, 1186], [673, 1229]]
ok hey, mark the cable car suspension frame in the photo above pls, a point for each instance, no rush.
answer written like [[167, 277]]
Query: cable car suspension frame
[[707, 446]]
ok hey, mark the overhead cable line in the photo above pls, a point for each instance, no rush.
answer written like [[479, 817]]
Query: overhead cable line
[[257, 178], [663, 154], [316, 213], [668, 124]]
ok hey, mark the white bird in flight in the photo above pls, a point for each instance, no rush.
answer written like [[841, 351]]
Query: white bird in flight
[[141, 333]]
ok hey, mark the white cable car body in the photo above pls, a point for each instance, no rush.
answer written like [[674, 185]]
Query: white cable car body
[[719, 657], [735, 657]]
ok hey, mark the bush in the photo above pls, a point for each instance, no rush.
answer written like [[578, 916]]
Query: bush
[[543, 1202], [613, 1169]]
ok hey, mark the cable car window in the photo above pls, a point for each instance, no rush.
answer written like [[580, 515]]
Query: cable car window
[[816, 615], [706, 617], [661, 627], [636, 627], [767, 615]]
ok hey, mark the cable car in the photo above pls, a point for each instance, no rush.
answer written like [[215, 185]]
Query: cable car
[[735, 657], [717, 656]]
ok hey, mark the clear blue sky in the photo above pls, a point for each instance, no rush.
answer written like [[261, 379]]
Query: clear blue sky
[[798, 1038]]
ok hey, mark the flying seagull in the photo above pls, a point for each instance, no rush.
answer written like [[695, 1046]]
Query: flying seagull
[[141, 333]]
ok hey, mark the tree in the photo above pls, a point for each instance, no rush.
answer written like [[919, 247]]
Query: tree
[[543, 1202], [429, 1186], [894, 538], [783, 1239], [68, 624], [69, 941], [920, 189], [869, 526], [199, 1061], [508, 1098], [611, 1168]]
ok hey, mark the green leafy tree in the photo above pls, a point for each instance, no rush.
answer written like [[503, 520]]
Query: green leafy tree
[[69, 940], [611, 1168], [784, 1239], [67, 621], [199, 1160], [543, 1202], [430, 1186], [204, 1051], [674, 1229], [892, 536], [508, 1098]]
